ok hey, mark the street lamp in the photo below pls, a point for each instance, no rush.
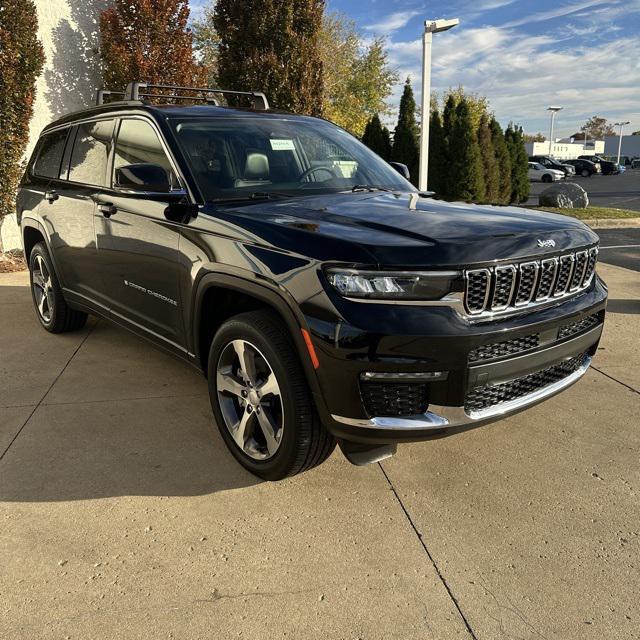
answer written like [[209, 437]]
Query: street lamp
[[553, 110], [621, 125], [430, 27]]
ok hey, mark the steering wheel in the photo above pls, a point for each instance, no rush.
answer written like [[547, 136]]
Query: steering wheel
[[312, 170]]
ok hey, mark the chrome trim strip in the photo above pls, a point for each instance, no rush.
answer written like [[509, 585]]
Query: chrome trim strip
[[536, 268], [514, 274], [439, 417], [468, 272], [554, 261]]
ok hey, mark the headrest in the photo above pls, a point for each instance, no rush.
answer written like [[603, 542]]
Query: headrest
[[256, 167]]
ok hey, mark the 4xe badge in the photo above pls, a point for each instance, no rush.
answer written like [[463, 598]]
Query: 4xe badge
[[546, 243]]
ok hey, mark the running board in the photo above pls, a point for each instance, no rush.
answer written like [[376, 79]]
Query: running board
[[362, 454]]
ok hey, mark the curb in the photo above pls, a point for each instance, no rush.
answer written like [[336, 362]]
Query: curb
[[613, 223]]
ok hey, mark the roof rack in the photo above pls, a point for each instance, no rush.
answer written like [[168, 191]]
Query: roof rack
[[133, 93]]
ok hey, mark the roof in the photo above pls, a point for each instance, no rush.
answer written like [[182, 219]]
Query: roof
[[168, 111]]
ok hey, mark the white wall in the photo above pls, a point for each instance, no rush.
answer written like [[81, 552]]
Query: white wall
[[69, 32], [565, 150]]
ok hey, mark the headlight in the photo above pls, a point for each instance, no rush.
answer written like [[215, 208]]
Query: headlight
[[390, 285]]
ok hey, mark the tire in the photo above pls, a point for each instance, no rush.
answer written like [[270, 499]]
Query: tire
[[55, 315], [547, 178], [293, 439], [586, 173]]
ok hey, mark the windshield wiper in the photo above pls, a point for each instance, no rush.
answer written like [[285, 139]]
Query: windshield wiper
[[367, 187], [256, 195]]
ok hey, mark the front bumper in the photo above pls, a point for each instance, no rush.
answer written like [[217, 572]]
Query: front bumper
[[446, 348]]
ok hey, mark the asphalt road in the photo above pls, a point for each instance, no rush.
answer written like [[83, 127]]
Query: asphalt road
[[620, 247], [622, 191]]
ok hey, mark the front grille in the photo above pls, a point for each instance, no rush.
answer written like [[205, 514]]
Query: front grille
[[491, 395], [394, 399], [504, 288], [505, 348], [581, 326]]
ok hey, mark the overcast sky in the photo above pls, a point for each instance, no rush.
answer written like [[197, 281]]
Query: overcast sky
[[523, 55]]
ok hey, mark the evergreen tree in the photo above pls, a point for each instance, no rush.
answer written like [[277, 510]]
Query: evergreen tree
[[514, 137], [437, 154], [377, 138], [448, 121], [272, 46], [489, 164], [467, 181], [503, 162], [406, 138], [21, 60], [148, 41]]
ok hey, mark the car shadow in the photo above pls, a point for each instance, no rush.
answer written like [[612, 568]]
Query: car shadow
[[623, 306]]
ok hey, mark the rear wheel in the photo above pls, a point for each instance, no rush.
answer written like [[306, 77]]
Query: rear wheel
[[586, 173], [261, 400], [54, 313]]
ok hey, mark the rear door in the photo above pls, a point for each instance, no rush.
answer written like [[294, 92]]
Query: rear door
[[69, 205], [138, 246]]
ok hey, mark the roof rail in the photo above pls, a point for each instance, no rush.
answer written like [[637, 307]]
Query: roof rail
[[203, 94]]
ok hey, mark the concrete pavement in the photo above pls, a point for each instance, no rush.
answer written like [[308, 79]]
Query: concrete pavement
[[123, 516]]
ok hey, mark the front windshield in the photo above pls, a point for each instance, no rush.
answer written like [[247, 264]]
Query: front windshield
[[241, 157]]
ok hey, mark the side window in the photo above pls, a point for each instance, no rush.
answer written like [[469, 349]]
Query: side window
[[47, 163], [138, 143], [91, 152]]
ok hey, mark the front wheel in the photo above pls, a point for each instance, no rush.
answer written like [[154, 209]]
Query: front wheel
[[261, 400], [586, 173], [547, 178]]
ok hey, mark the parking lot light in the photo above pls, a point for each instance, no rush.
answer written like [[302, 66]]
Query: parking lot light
[[621, 125], [553, 110], [430, 27]]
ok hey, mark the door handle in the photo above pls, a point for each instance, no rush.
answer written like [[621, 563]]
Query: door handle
[[51, 196], [108, 209]]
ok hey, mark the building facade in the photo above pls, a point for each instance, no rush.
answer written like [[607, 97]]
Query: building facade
[[565, 149], [630, 146]]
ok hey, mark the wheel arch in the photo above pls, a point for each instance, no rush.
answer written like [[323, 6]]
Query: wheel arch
[[221, 296]]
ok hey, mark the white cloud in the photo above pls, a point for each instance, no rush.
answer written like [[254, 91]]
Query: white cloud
[[392, 22], [561, 11], [521, 74]]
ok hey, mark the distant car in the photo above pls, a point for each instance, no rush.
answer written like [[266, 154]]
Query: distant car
[[585, 168], [538, 173], [607, 166], [635, 163], [552, 163]]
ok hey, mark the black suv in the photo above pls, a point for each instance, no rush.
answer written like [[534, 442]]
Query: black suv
[[324, 297]]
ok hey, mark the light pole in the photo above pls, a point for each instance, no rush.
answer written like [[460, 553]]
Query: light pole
[[430, 27], [553, 110], [621, 125]]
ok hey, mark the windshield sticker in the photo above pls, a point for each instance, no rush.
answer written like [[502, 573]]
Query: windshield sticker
[[282, 145]]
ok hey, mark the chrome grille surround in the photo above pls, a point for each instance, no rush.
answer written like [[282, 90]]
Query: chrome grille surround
[[535, 283]]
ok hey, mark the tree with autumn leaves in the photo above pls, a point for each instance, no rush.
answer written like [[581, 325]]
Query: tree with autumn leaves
[[148, 40]]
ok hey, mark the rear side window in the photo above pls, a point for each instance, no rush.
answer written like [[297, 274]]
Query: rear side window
[[47, 163], [91, 152], [137, 143]]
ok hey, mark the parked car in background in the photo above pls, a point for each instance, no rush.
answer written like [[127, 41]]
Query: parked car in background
[[585, 168], [552, 163], [608, 167], [635, 163], [539, 173]]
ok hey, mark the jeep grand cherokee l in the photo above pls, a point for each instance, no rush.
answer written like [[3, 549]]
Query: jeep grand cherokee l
[[324, 297]]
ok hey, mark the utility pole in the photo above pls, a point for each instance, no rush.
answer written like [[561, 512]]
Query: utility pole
[[621, 125], [553, 110]]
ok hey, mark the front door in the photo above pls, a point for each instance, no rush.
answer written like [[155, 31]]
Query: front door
[[138, 246]]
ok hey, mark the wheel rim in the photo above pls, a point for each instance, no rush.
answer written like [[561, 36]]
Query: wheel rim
[[250, 399], [42, 289]]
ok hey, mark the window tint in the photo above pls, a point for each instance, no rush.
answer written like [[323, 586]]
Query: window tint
[[47, 163], [137, 143], [90, 152]]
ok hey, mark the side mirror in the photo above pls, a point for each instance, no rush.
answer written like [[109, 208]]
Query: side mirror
[[143, 177], [402, 169]]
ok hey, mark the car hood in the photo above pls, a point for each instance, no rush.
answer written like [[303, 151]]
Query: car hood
[[407, 229]]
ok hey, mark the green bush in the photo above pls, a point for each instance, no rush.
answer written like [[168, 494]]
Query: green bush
[[21, 61]]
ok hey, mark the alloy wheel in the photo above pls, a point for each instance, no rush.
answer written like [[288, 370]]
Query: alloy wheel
[[42, 289], [250, 399]]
